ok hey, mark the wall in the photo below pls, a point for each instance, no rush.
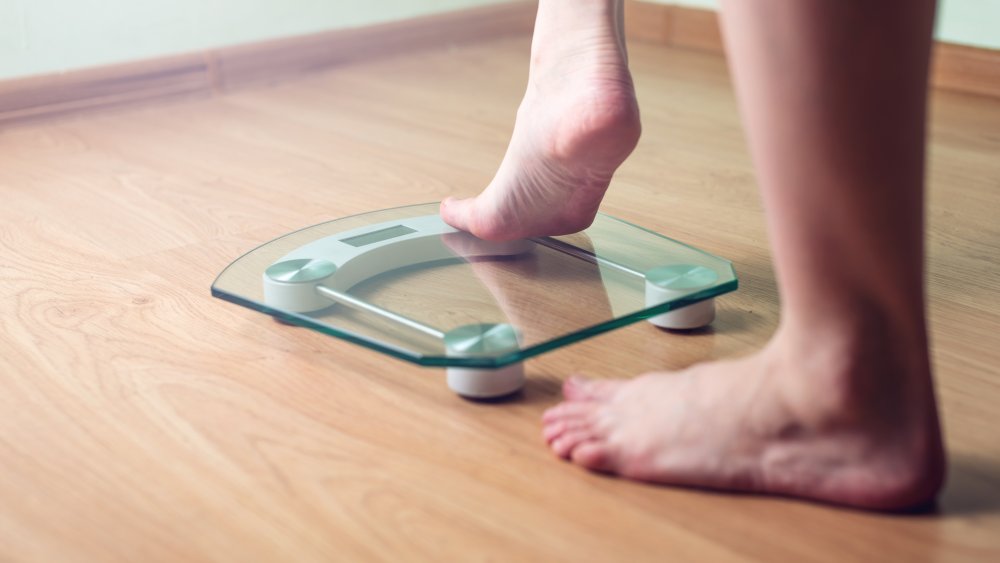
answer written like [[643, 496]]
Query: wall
[[968, 22], [45, 36]]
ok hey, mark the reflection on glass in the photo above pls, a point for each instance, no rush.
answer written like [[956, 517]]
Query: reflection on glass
[[400, 280]]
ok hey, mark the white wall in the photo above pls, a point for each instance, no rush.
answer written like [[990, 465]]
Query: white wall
[[969, 22], [44, 36]]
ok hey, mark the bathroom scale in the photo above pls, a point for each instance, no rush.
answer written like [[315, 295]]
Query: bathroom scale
[[404, 283]]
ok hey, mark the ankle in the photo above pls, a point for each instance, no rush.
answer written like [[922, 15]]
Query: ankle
[[582, 28], [856, 364], [863, 382]]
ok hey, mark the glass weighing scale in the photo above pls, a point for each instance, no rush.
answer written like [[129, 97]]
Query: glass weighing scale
[[404, 283]]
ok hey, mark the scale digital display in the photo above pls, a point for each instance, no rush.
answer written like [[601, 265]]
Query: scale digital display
[[378, 236]]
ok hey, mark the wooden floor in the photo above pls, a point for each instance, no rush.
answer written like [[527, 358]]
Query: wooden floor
[[142, 420]]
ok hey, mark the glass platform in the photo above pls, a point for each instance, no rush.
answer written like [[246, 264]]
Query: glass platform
[[402, 282]]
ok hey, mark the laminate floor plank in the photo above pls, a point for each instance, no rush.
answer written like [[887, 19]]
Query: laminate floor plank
[[141, 419]]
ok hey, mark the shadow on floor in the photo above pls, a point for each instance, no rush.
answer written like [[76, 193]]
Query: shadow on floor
[[973, 486]]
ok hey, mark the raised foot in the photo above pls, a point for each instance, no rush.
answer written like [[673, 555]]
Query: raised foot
[[737, 426], [577, 123]]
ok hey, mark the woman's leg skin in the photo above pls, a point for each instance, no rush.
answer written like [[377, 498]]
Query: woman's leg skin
[[840, 405], [577, 123]]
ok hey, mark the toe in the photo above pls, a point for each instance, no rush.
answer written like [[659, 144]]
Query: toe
[[556, 429], [565, 444], [553, 430], [580, 389], [458, 212], [594, 455], [569, 410]]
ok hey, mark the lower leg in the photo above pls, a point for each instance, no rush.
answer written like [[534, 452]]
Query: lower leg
[[833, 96], [577, 123], [840, 405]]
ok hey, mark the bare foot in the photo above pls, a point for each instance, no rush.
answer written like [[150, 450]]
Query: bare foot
[[820, 428], [577, 123]]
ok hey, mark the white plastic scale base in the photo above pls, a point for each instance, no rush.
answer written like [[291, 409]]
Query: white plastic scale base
[[321, 273], [671, 282], [480, 339]]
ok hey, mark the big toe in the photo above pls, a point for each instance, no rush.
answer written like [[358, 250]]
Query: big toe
[[458, 212], [594, 455]]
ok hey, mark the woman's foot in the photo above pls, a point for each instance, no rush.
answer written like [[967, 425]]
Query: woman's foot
[[577, 123], [835, 425]]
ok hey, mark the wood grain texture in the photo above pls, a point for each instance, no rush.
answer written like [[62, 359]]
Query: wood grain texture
[[696, 29], [140, 419], [676, 26], [648, 21], [967, 69], [56, 95]]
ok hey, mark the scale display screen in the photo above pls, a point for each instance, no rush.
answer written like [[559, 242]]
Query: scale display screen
[[378, 236]]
